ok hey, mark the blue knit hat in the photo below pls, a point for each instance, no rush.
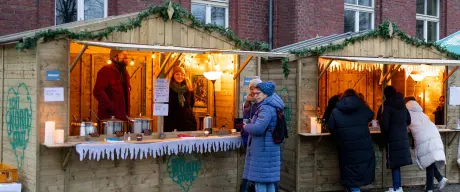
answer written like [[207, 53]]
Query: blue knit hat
[[266, 87]]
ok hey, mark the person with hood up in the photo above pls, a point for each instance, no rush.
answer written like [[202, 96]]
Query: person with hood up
[[348, 125], [429, 149], [112, 88], [331, 104], [263, 157], [393, 124]]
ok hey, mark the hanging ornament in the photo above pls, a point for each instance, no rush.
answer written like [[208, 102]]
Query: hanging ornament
[[170, 10], [390, 29]]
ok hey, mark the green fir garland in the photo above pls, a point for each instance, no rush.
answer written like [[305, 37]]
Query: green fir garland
[[179, 15], [383, 31]]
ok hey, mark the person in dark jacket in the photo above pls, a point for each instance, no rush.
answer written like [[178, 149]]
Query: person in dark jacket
[[112, 88], [331, 104], [181, 102], [348, 125], [439, 113], [394, 121]]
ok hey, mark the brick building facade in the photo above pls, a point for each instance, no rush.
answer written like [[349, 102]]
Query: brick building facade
[[293, 20]]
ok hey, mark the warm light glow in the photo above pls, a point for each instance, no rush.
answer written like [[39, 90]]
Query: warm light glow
[[109, 61], [417, 77], [202, 67], [131, 63], [173, 55], [153, 56], [214, 75], [216, 67]]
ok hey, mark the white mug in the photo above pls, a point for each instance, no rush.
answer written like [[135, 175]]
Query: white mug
[[374, 123]]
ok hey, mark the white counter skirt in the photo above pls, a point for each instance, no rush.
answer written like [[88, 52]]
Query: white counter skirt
[[132, 150]]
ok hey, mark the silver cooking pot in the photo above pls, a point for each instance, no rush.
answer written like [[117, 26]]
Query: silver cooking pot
[[112, 125], [139, 124]]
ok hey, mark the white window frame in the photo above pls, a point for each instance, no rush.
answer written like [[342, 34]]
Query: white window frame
[[425, 18], [213, 3], [361, 8], [81, 10]]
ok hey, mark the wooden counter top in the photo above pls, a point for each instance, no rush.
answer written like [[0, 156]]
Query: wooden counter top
[[373, 131]]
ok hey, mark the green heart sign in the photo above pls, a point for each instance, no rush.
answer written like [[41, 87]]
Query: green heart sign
[[183, 172], [19, 120]]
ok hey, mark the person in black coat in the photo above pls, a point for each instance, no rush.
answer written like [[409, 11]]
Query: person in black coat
[[393, 123], [330, 106], [348, 125], [181, 102]]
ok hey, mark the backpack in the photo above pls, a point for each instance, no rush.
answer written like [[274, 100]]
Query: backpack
[[280, 132]]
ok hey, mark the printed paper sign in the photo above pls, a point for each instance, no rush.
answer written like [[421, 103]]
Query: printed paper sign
[[54, 94], [160, 109], [454, 96], [161, 92]]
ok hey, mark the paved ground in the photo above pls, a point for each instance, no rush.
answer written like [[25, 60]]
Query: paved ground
[[449, 188]]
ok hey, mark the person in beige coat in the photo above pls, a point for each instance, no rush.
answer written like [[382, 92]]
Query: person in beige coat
[[429, 149]]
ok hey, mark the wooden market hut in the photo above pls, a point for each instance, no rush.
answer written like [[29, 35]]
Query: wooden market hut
[[62, 49], [365, 61]]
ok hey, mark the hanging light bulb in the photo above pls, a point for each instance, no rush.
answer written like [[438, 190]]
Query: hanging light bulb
[[132, 62], [153, 56], [109, 61]]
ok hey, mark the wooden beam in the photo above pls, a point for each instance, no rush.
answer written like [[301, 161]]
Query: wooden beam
[[450, 74], [242, 67], [393, 72], [325, 69], [163, 64], [78, 57], [382, 78], [172, 65]]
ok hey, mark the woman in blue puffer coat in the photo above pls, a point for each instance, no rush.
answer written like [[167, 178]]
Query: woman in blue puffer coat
[[263, 157]]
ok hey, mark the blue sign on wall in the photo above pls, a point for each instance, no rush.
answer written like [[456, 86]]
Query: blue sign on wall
[[53, 76]]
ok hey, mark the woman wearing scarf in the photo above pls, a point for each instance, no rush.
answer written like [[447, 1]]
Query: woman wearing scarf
[[181, 102]]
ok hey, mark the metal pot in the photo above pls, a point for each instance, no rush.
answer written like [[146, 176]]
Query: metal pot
[[87, 127], [139, 124], [208, 123], [112, 125]]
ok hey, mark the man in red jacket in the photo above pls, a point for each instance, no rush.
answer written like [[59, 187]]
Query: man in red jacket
[[112, 87]]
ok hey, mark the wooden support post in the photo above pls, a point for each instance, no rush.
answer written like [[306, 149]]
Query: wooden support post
[[298, 115], [259, 66], [325, 69], [242, 67], [450, 74], [78, 57]]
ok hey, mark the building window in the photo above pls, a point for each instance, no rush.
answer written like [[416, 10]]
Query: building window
[[211, 11], [359, 15], [75, 10], [427, 26]]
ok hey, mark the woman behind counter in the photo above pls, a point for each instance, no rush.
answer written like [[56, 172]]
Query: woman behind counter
[[181, 102]]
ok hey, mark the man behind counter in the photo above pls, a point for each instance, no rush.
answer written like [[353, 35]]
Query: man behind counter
[[112, 87]]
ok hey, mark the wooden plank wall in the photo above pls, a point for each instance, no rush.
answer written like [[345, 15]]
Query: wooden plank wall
[[287, 90], [156, 31], [16, 68], [453, 112], [218, 173]]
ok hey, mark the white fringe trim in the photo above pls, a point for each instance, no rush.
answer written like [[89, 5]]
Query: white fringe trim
[[112, 151]]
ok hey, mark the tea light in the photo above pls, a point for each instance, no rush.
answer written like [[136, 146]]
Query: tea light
[[206, 133], [49, 132], [59, 136], [233, 130]]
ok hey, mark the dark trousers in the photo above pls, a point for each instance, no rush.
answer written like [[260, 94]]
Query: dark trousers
[[431, 172], [244, 187]]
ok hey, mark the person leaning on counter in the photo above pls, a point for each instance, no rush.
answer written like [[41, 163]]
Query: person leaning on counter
[[112, 87]]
